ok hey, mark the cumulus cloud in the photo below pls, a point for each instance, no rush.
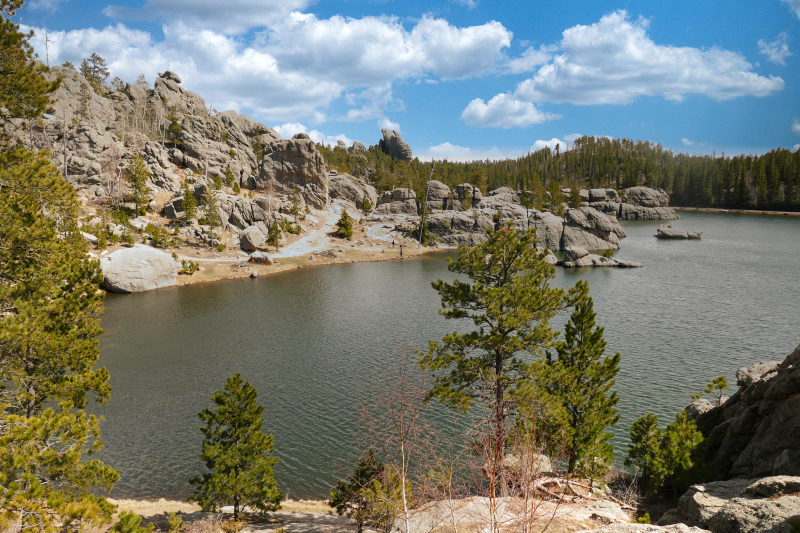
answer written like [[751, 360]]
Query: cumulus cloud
[[230, 17], [796, 127], [530, 59], [297, 68], [504, 111], [778, 50], [796, 147], [290, 129], [614, 61], [686, 142], [454, 152], [471, 4], [552, 143], [794, 6], [386, 124]]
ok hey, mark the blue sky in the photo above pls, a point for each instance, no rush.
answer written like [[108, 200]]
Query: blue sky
[[463, 79]]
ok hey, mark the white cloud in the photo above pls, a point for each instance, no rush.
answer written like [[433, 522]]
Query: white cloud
[[796, 127], [572, 136], [778, 50], [299, 67], [454, 152], [614, 61], [686, 142], [552, 143], [45, 5], [290, 129], [530, 59], [794, 6], [796, 148], [471, 4], [503, 111], [386, 124], [230, 17]]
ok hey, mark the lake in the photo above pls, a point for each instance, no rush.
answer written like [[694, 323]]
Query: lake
[[313, 340]]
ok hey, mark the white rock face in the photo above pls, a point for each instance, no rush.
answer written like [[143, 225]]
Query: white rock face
[[138, 269]]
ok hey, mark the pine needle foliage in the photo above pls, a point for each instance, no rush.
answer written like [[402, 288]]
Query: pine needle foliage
[[344, 226], [350, 496], [510, 302], [136, 177], [189, 203], [580, 378], [236, 452]]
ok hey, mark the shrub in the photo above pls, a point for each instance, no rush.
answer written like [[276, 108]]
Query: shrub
[[345, 226], [188, 267]]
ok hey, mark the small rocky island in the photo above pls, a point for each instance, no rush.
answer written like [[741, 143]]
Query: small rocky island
[[666, 231]]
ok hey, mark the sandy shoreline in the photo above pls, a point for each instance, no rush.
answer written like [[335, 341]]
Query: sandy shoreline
[[741, 211]]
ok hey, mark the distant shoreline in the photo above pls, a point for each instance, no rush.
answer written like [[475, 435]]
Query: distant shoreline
[[742, 211]]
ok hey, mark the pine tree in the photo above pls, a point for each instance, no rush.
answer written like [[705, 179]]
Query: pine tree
[[575, 200], [644, 446], [236, 451], [95, 71], [211, 202], [49, 312], [294, 198], [349, 497], [510, 302], [274, 235], [136, 177], [581, 379], [366, 205], [345, 226], [189, 204]]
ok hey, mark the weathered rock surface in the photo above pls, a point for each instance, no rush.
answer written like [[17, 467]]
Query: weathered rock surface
[[668, 232], [352, 189], [578, 256], [591, 229], [393, 145], [295, 163], [251, 238], [743, 505], [397, 202], [260, 258], [645, 528], [756, 433], [438, 195], [138, 269]]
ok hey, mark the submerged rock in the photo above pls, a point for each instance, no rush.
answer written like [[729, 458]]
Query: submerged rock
[[578, 256]]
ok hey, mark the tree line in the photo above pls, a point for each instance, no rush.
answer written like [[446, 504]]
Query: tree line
[[767, 182]]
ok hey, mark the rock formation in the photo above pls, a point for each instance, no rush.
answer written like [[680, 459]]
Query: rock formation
[[764, 505], [393, 145], [351, 189], [138, 269], [295, 163], [756, 432], [577, 256], [251, 238], [668, 232], [637, 203], [397, 202]]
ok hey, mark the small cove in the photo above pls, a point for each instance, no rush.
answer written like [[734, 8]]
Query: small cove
[[311, 340]]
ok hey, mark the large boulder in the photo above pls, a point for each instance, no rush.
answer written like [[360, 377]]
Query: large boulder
[[645, 528], [756, 432], [466, 196], [295, 163], [393, 145], [438, 195], [352, 189], [588, 228], [645, 197], [138, 269], [549, 229], [767, 505], [397, 202], [251, 238]]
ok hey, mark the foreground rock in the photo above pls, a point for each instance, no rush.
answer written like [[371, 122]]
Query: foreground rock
[[636, 203], [351, 189], [742, 506], [668, 232], [645, 528], [756, 433], [138, 269], [577, 256]]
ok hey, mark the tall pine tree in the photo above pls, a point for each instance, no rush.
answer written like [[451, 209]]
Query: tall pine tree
[[580, 379], [236, 451]]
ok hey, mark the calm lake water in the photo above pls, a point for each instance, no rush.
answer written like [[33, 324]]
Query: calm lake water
[[313, 340]]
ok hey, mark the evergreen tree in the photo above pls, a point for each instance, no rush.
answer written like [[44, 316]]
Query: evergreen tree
[[294, 198], [24, 88], [349, 497], [236, 451], [510, 302], [211, 202], [274, 235], [366, 205], [95, 71], [581, 379], [49, 309], [189, 203], [136, 178], [575, 200], [345, 226], [644, 446]]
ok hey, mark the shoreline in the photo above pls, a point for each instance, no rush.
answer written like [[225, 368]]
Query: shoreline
[[737, 211]]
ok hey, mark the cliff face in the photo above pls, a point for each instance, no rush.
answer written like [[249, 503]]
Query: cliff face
[[756, 432]]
